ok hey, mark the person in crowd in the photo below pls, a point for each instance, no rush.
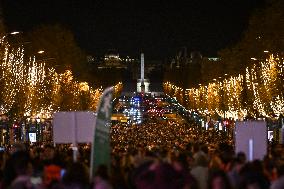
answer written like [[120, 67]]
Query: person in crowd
[[15, 152], [118, 174], [218, 179], [51, 166], [137, 171], [227, 155], [215, 161], [102, 178], [237, 164], [253, 177], [75, 177], [279, 182], [200, 171], [17, 147], [270, 169], [162, 175], [20, 171]]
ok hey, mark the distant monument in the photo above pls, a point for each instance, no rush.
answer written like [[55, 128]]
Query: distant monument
[[142, 83]]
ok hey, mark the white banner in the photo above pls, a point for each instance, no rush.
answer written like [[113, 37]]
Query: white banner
[[73, 127], [251, 138]]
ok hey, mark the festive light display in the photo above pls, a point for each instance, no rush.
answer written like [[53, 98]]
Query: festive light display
[[30, 89], [258, 93]]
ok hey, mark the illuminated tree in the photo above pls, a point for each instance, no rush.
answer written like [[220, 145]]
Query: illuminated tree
[[256, 84], [265, 32], [29, 88], [256, 93], [61, 50]]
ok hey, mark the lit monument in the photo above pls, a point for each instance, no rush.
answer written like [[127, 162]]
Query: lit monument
[[142, 84]]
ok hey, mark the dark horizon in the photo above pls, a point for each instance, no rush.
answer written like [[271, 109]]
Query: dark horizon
[[157, 28]]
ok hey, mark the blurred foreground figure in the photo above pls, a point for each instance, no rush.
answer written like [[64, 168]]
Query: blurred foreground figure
[[101, 180], [18, 171], [163, 175]]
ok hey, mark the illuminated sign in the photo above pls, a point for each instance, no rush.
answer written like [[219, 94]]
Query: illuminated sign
[[32, 137]]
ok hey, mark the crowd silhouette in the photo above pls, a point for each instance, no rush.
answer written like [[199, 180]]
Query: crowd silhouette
[[155, 154]]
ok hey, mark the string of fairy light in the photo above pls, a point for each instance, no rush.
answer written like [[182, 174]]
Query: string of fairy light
[[258, 93], [37, 91]]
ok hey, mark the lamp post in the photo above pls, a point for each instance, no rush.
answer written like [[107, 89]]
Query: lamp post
[[11, 33], [3, 120], [15, 32], [27, 129], [38, 129], [23, 130]]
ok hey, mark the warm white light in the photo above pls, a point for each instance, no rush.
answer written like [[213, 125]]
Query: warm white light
[[40, 52], [263, 83], [40, 91], [15, 32], [37, 120]]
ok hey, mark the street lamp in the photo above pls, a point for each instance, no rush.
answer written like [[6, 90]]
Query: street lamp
[[27, 128], [14, 33], [6, 35], [38, 129], [40, 52], [3, 120], [15, 38]]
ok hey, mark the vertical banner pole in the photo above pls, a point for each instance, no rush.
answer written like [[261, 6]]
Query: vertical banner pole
[[101, 149], [74, 144], [250, 149]]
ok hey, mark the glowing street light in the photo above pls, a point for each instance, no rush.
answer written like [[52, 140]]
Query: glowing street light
[[40, 52], [37, 119], [14, 33], [253, 58], [266, 51]]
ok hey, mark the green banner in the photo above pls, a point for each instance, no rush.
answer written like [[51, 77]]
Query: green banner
[[101, 143]]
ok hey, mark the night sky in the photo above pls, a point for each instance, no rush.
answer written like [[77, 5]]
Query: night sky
[[159, 28]]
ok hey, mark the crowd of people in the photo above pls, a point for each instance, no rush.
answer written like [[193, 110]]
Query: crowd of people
[[155, 154], [163, 134]]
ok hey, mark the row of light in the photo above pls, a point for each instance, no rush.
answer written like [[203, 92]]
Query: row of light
[[37, 91], [262, 83]]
